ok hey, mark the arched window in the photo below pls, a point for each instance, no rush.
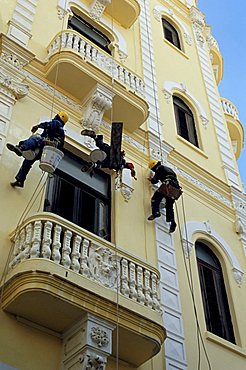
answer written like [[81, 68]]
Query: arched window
[[185, 121], [215, 303], [170, 33], [78, 24]]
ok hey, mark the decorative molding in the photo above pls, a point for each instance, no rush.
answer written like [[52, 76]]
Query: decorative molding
[[177, 8], [124, 183], [82, 344], [97, 102], [191, 228], [102, 265], [16, 88], [53, 92], [99, 336], [97, 8], [170, 86], [211, 42], [198, 23], [159, 10]]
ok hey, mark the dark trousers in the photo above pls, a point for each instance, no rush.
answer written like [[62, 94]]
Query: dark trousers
[[155, 205], [25, 168]]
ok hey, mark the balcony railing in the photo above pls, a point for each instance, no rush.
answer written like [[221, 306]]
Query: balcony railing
[[49, 237], [72, 41], [229, 108]]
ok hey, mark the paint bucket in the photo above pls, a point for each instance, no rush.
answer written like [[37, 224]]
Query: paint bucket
[[51, 157]]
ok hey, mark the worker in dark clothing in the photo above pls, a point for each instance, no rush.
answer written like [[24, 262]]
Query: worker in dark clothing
[[163, 174], [53, 131]]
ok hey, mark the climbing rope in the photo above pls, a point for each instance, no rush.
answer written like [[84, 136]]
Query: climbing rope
[[189, 276]]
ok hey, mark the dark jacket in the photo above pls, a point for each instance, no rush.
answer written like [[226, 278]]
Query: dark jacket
[[53, 130], [162, 173]]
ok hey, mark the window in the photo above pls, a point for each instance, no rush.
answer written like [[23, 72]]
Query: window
[[215, 303], [80, 198], [170, 33], [84, 28], [185, 121]]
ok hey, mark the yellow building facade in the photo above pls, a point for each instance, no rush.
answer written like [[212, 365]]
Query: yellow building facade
[[87, 282]]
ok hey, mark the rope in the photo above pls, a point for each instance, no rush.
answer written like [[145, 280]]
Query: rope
[[21, 219], [191, 288]]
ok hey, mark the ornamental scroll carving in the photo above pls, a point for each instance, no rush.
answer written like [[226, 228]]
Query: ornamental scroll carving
[[103, 266], [197, 19]]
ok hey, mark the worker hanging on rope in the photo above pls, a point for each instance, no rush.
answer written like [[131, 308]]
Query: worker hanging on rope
[[108, 156], [169, 189], [31, 149]]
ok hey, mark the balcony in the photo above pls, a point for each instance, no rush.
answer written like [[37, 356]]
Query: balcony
[[216, 59], [82, 65], [125, 12], [234, 126], [59, 271]]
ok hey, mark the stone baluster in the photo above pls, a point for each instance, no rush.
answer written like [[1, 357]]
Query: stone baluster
[[66, 250], [155, 297], [19, 246], [46, 250], [76, 43], [82, 48], [36, 240], [64, 38], [70, 41], [120, 73], [94, 54], [56, 245], [84, 269], [27, 244], [147, 289], [75, 266], [132, 281], [88, 48], [141, 297], [124, 289], [15, 251]]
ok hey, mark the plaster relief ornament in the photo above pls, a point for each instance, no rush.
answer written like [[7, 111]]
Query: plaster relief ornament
[[103, 266], [99, 336], [97, 8]]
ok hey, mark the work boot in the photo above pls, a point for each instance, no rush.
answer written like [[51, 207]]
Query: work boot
[[172, 227], [17, 184], [14, 148], [154, 215]]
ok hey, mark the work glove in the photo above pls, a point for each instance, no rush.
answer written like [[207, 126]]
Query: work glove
[[34, 129]]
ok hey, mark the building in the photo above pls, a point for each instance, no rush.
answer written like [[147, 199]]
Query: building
[[86, 281]]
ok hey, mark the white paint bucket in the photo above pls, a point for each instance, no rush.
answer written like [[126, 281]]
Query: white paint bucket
[[51, 157]]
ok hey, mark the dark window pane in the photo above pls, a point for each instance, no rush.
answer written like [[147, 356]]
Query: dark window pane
[[84, 28], [216, 308], [69, 197], [170, 33], [185, 122]]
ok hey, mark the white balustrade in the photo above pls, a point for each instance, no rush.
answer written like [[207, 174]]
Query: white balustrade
[[74, 250], [70, 40], [229, 108]]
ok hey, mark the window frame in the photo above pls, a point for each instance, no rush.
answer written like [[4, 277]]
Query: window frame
[[171, 34], [219, 323], [80, 192], [186, 126]]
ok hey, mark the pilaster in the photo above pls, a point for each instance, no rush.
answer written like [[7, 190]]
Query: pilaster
[[239, 203], [87, 344], [20, 26]]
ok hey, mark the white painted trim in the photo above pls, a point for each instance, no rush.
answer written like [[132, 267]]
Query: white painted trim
[[160, 10], [191, 228], [170, 86], [120, 41]]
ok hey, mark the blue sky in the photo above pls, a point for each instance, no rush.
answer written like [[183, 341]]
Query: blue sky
[[228, 21]]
